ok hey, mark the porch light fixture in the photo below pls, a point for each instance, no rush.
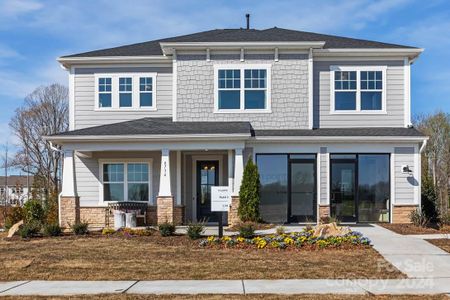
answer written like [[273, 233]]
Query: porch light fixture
[[406, 169]]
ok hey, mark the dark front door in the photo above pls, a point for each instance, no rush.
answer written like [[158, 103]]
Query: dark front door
[[343, 188], [207, 176], [302, 190]]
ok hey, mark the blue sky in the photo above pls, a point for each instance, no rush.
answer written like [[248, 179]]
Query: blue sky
[[34, 33]]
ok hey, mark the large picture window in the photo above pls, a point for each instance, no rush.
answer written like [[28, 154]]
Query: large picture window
[[126, 181], [242, 88], [358, 89]]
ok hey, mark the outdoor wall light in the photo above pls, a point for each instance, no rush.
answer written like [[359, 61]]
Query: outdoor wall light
[[406, 169]]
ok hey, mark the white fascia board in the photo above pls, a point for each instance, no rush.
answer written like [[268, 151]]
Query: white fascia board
[[168, 47], [68, 61], [361, 139], [155, 137], [410, 52]]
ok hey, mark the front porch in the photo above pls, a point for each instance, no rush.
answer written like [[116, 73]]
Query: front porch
[[174, 183]]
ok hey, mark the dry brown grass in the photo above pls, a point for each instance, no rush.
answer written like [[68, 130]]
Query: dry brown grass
[[154, 257], [241, 297], [412, 229], [444, 244]]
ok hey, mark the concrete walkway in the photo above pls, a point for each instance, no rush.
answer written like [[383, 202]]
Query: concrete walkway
[[305, 286], [411, 255]]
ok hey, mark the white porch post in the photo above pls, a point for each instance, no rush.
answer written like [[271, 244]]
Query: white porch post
[[164, 177], [68, 184], [230, 169], [238, 170]]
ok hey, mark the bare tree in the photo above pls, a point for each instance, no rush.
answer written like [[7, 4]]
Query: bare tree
[[436, 157], [45, 112]]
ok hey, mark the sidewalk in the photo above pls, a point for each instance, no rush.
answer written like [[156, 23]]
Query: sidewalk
[[305, 286], [413, 256]]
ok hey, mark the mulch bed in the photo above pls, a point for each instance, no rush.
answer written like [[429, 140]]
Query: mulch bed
[[407, 229], [444, 244]]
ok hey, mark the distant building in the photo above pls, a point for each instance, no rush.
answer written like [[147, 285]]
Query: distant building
[[15, 189]]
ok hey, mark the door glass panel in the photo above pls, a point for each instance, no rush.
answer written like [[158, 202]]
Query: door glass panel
[[207, 177], [273, 172], [343, 190], [302, 190], [373, 188]]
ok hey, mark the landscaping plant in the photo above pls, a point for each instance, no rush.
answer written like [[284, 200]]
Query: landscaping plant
[[30, 229], [52, 230], [15, 214], [280, 230], [419, 218], [248, 209], [33, 211], [195, 230], [166, 229], [80, 228], [246, 230]]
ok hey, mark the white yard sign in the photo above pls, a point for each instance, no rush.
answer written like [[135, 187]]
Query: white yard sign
[[220, 198]]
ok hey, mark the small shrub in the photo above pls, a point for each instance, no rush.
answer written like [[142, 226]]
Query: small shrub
[[80, 228], [329, 219], [52, 230], [246, 230], [418, 218], [33, 211], [280, 230], [30, 229], [108, 231], [166, 229], [15, 214], [195, 230], [249, 198]]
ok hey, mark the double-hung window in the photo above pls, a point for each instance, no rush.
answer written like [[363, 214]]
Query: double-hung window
[[125, 91], [104, 92], [126, 181], [242, 88], [358, 89]]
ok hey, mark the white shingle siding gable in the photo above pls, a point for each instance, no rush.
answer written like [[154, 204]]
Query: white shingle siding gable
[[289, 103]]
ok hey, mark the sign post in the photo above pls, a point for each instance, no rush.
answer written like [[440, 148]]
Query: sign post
[[220, 202]]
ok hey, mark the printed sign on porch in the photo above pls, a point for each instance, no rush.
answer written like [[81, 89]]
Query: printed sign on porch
[[220, 198]]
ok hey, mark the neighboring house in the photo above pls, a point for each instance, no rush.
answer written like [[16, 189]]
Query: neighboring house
[[326, 118], [14, 189]]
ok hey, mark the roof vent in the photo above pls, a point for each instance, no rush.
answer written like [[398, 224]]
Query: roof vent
[[247, 16]]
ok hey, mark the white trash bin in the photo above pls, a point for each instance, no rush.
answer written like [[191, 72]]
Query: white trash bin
[[119, 219], [130, 219]]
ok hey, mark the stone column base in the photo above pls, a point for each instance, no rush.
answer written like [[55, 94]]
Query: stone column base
[[233, 215], [400, 213], [165, 209], [69, 211], [324, 211], [178, 215]]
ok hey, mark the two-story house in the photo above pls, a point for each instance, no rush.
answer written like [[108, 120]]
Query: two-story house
[[326, 119]]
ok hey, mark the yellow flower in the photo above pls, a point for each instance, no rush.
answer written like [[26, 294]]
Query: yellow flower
[[226, 238], [289, 241], [240, 239], [261, 244], [210, 238]]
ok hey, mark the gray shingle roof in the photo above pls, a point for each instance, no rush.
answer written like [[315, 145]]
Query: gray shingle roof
[[165, 126], [162, 126], [240, 35], [374, 131]]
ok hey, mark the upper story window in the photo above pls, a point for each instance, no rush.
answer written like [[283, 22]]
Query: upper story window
[[242, 88], [125, 91], [104, 92], [358, 89]]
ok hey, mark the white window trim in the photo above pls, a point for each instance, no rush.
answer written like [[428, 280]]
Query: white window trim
[[358, 70], [242, 67], [135, 92], [125, 162]]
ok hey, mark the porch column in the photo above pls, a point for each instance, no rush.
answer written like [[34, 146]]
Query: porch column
[[165, 200], [230, 169], [233, 215], [69, 203]]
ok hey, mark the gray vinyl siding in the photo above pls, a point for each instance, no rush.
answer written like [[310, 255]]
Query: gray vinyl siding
[[84, 93], [88, 178], [289, 93], [404, 183], [394, 97], [323, 179]]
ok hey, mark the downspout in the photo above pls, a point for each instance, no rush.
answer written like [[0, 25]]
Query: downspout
[[60, 168], [424, 144]]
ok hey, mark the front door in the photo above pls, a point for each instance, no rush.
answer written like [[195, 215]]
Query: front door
[[343, 188], [302, 189], [207, 176]]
